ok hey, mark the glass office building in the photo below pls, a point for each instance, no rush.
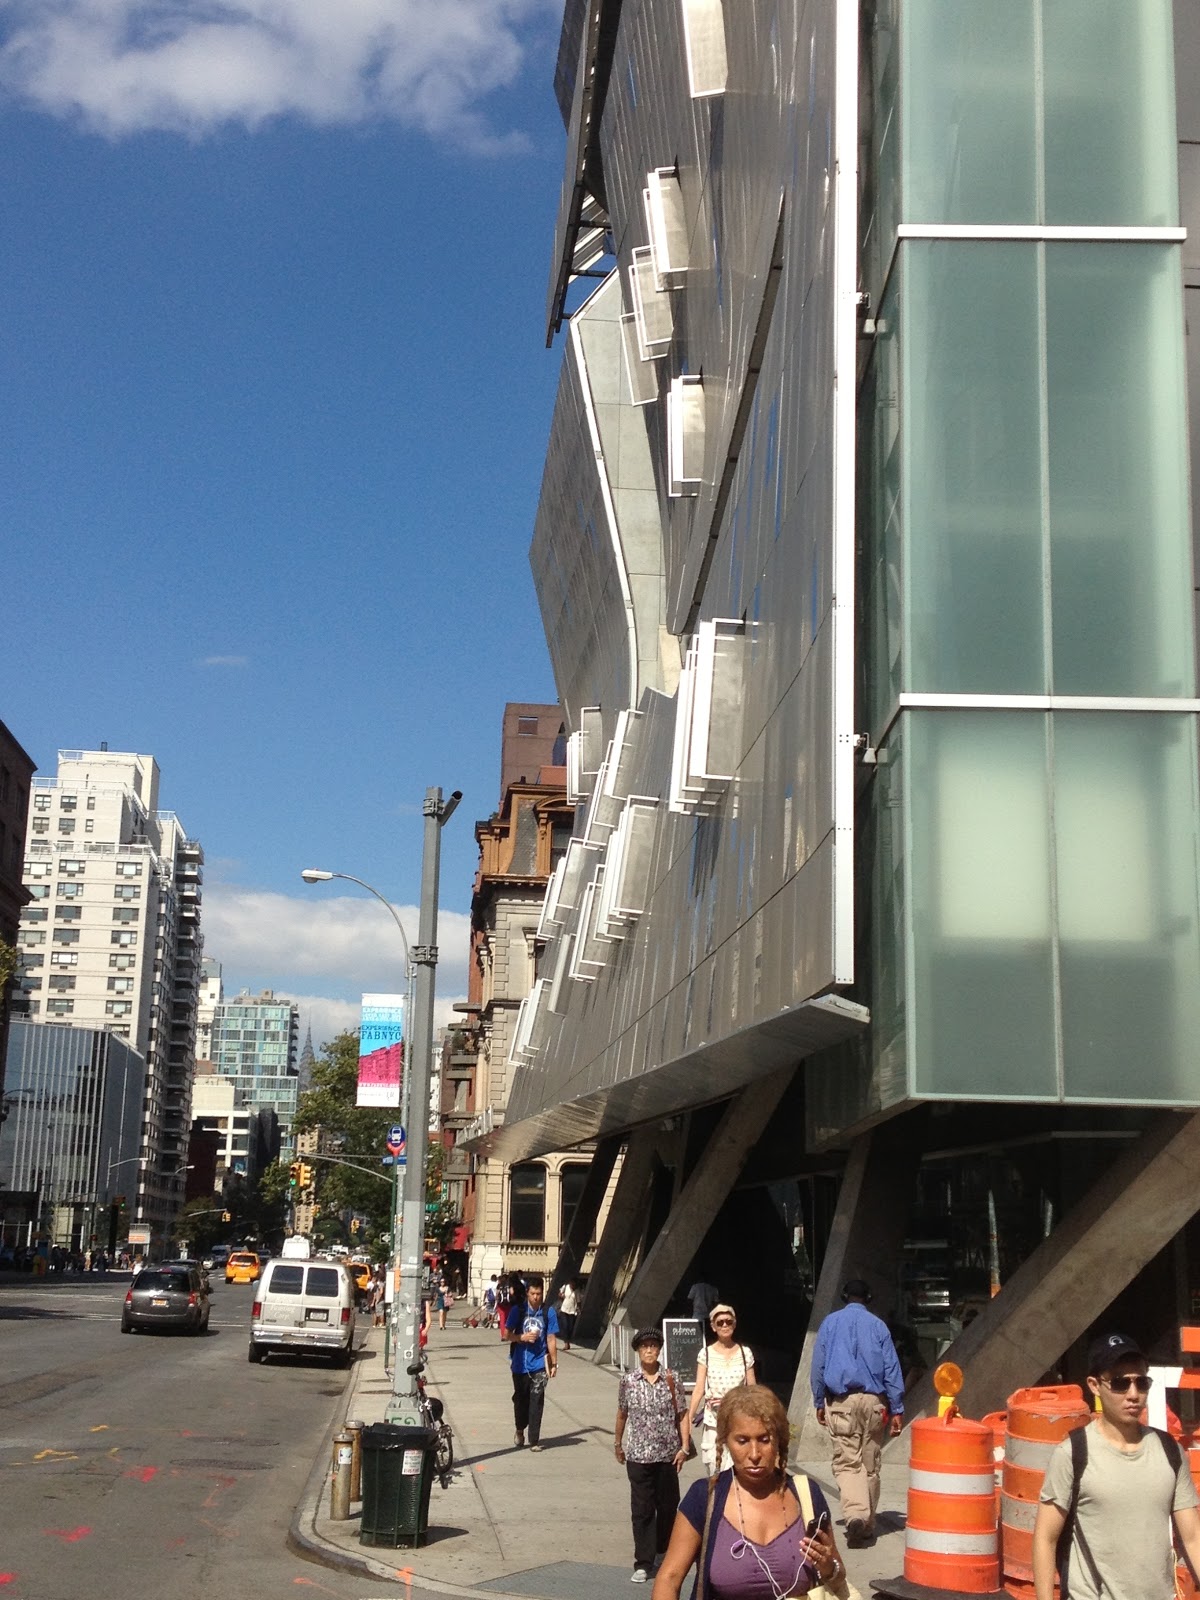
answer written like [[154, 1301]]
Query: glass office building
[[254, 1042]]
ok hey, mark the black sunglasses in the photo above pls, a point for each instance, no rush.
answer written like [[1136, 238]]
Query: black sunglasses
[[1141, 1381]]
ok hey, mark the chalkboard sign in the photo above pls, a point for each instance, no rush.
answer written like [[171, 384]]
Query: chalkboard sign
[[684, 1342]]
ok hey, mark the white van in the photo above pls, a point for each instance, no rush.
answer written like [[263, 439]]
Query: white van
[[303, 1305]]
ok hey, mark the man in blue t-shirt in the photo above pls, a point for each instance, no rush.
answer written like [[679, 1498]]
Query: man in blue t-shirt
[[531, 1330]]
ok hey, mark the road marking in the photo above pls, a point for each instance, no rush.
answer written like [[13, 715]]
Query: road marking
[[101, 1427], [142, 1474], [67, 1535], [56, 1455]]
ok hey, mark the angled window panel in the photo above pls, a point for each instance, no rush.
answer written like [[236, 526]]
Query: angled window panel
[[556, 1001], [666, 225], [704, 46], [578, 864], [639, 372], [622, 756], [550, 917], [575, 790], [685, 434], [685, 794], [584, 965], [603, 812], [516, 1050], [592, 744], [652, 307], [631, 893], [716, 717], [536, 1023]]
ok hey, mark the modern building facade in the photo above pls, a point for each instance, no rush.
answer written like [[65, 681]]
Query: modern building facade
[[865, 558], [16, 775], [255, 1039], [72, 1140], [111, 939], [211, 994]]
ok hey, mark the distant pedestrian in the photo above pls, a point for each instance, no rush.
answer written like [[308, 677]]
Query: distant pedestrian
[[652, 1435], [856, 1382], [489, 1303], [532, 1331], [1111, 1492], [723, 1365], [703, 1297], [568, 1310]]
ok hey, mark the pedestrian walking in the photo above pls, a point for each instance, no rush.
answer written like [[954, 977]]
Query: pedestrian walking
[[489, 1303], [652, 1435], [856, 1386], [568, 1310], [754, 1531], [723, 1365], [532, 1331], [1111, 1492], [703, 1297]]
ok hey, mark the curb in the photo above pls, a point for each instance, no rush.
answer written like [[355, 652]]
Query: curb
[[304, 1540]]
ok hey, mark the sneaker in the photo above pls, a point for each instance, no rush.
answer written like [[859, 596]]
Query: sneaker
[[535, 1448], [640, 1575], [519, 1441]]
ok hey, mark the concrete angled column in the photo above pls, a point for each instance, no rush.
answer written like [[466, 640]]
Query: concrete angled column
[[705, 1191], [865, 1241], [574, 1246], [622, 1232], [1103, 1242]]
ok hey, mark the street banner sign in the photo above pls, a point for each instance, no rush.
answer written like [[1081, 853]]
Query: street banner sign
[[380, 1050]]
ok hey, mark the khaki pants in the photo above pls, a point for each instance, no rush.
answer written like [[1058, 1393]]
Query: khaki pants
[[857, 1425]]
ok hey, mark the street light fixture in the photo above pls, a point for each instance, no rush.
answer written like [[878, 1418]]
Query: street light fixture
[[405, 1406]]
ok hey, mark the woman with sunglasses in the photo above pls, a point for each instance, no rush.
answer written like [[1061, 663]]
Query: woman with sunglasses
[[722, 1366]]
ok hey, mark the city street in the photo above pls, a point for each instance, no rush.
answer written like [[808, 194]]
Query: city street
[[152, 1464]]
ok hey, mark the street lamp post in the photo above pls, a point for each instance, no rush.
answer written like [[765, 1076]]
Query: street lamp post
[[410, 1243], [317, 875]]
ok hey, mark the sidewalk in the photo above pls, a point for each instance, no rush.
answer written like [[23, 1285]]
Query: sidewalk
[[550, 1526]]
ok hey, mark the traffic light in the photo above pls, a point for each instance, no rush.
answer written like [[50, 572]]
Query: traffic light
[[305, 1175], [294, 1175], [119, 1202], [227, 1216]]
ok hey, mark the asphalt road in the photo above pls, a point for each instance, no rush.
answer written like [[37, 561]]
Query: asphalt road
[[152, 1466]]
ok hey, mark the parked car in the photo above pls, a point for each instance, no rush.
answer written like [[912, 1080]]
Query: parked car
[[304, 1305], [170, 1296], [243, 1266]]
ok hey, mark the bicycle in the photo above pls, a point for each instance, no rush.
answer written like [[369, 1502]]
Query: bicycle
[[433, 1417]]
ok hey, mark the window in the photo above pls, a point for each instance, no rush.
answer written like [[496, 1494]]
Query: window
[[89, 825], [122, 961], [129, 869], [64, 958], [527, 726], [120, 985], [704, 44], [667, 226], [118, 1008], [35, 913], [286, 1279], [29, 962], [125, 914], [68, 913], [72, 867], [123, 937], [324, 1281], [41, 802], [40, 891], [91, 802], [571, 1181], [63, 981], [127, 891], [69, 891], [37, 869], [41, 824], [66, 824], [66, 935], [527, 1201], [59, 1008], [685, 434], [31, 936], [68, 802]]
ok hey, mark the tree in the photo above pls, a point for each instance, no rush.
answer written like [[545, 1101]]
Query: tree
[[354, 1133], [199, 1223]]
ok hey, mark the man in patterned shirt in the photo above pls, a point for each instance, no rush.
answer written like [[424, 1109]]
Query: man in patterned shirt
[[653, 1431]]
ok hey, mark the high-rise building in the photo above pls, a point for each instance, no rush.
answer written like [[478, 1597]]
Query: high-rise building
[[865, 559], [69, 1147], [254, 1044], [111, 939], [16, 774], [212, 992]]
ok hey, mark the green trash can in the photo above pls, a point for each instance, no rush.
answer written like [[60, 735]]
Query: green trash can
[[397, 1475]]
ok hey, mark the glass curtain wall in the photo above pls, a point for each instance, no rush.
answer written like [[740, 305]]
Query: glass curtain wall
[[1026, 533]]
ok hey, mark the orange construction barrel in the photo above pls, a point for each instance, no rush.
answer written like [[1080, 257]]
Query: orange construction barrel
[[951, 1541], [1037, 1420]]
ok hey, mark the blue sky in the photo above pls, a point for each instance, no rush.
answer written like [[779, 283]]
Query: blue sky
[[274, 400]]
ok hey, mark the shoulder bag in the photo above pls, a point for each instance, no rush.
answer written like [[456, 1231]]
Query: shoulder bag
[[841, 1588]]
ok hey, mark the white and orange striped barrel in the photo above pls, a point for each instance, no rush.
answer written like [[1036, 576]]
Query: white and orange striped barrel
[[951, 1541], [1037, 1420]]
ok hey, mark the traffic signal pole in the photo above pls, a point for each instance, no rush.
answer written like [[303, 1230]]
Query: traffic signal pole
[[404, 1408]]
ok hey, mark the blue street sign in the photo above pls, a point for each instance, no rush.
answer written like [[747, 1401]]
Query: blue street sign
[[396, 1140], [388, 1160]]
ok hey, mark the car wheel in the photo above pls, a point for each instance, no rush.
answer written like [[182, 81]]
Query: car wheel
[[255, 1353], [126, 1325]]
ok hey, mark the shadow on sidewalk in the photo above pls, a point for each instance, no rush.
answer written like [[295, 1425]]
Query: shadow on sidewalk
[[560, 1441]]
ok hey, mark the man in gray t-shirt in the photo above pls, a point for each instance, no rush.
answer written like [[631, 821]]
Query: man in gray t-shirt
[[1120, 1542]]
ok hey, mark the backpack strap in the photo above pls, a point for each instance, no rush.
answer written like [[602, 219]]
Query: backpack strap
[[702, 1560], [1079, 1452]]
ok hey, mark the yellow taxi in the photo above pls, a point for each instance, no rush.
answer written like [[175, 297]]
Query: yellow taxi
[[360, 1271], [243, 1266]]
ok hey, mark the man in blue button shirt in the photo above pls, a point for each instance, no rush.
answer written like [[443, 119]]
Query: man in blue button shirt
[[856, 1383]]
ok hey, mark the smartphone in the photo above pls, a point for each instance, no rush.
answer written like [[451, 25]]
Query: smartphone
[[817, 1524]]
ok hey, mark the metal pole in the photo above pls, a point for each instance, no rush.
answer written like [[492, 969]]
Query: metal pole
[[404, 1408], [391, 1332]]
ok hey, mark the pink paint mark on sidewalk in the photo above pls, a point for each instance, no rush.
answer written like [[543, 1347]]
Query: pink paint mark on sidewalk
[[142, 1474], [67, 1535]]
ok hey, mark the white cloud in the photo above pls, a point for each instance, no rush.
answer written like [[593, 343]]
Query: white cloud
[[325, 951], [190, 66], [224, 661]]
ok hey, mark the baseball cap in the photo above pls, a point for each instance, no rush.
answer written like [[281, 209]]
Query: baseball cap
[[1106, 1352], [646, 1336]]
